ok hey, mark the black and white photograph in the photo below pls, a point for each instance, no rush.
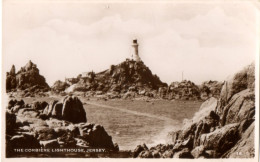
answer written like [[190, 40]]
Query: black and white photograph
[[130, 79]]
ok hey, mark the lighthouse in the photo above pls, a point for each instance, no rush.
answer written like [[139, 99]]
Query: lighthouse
[[135, 51]]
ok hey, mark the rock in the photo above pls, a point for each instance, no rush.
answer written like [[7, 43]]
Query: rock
[[156, 154], [45, 133], [12, 71], [59, 86], [128, 75], [240, 106], [96, 135], [50, 144], [67, 140], [26, 78], [244, 148], [139, 149], [49, 108], [23, 141], [16, 108], [28, 112], [76, 87], [168, 154], [184, 153], [183, 90], [37, 105], [212, 154], [11, 103], [221, 139], [210, 89], [73, 110], [145, 154], [238, 82], [20, 103], [221, 128], [198, 151], [57, 111], [10, 123]]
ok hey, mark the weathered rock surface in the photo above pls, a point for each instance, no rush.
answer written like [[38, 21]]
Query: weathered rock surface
[[221, 128], [27, 129], [183, 90], [210, 89], [27, 78], [245, 79], [70, 109], [73, 110], [59, 86], [128, 76]]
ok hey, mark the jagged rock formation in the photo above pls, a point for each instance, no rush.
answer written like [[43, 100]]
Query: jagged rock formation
[[28, 127], [222, 128], [27, 78], [131, 79], [183, 90], [128, 76], [210, 89]]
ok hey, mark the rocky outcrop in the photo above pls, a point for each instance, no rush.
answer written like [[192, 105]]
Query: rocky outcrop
[[186, 90], [210, 89], [27, 78], [128, 76], [222, 128], [26, 128], [59, 86]]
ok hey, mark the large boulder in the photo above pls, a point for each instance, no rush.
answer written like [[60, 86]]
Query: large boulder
[[96, 135], [241, 106], [48, 109], [73, 110], [57, 110], [244, 147], [245, 79], [221, 139]]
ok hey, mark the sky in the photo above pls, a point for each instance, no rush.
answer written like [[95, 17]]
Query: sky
[[205, 41]]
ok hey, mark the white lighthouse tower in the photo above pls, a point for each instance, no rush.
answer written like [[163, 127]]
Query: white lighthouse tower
[[135, 51]]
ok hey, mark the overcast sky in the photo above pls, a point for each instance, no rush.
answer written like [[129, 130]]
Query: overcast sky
[[208, 41]]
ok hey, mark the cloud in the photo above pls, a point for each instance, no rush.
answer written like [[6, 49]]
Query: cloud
[[208, 46]]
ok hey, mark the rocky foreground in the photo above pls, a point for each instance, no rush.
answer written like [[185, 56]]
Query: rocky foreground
[[58, 124], [223, 128]]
